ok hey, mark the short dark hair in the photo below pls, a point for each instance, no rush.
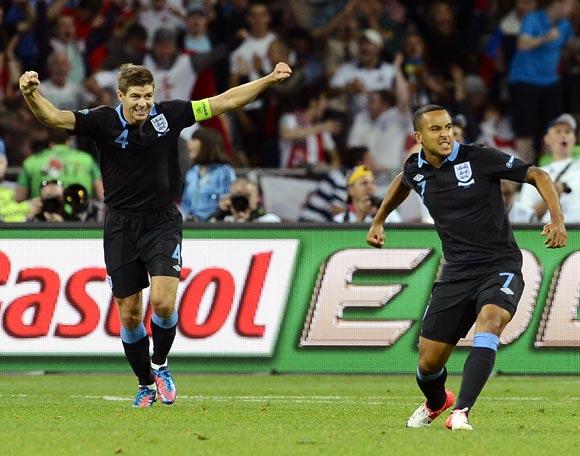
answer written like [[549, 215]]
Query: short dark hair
[[418, 114], [134, 75]]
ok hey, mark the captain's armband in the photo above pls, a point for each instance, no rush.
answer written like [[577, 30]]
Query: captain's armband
[[201, 110]]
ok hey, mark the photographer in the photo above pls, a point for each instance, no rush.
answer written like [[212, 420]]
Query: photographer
[[242, 205], [362, 205], [560, 139], [52, 202]]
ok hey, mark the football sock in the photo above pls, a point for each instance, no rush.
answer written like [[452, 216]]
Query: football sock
[[163, 331], [433, 387], [136, 346], [477, 369]]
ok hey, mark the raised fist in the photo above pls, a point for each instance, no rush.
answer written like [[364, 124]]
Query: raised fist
[[29, 82], [281, 72]]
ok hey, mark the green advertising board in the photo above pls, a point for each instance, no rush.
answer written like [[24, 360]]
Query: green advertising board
[[546, 339]]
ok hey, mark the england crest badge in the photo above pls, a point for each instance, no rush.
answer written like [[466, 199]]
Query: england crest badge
[[464, 174], [160, 123]]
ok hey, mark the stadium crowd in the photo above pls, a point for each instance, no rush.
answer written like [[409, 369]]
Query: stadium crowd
[[340, 127]]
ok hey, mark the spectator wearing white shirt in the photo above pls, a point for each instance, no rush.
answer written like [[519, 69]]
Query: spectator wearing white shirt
[[363, 204], [65, 42], [248, 63], [368, 74], [174, 73], [386, 124], [516, 211], [161, 14], [305, 138], [560, 139], [59, 89]]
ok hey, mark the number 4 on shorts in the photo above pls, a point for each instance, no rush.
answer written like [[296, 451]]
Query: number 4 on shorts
[[505, 287], [177, 253]]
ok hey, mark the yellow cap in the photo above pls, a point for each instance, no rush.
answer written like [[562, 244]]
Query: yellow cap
[[358, 172]]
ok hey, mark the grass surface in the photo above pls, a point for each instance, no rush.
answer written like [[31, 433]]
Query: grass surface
[[280, 415]]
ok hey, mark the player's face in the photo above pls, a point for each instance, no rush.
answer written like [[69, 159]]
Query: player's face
[[436, 133], [137, 103]]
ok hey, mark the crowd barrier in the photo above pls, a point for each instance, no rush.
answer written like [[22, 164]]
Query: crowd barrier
[[274, 298]]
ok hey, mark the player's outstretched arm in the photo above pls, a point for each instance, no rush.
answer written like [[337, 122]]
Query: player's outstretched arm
[[555, 230], [396, 194], [43, 109], [239, 96]]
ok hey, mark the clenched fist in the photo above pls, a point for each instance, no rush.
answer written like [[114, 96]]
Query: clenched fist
[[281, 72], [29, 82]]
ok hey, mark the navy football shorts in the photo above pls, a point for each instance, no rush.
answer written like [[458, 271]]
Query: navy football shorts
[[454, 305], [139, 246]]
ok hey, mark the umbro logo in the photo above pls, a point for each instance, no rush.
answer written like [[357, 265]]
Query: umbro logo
[[510, 162], [177, 268], [418, 177], [507, 291]]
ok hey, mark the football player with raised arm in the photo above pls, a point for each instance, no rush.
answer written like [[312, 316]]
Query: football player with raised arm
[[138, 155], [481, 280]]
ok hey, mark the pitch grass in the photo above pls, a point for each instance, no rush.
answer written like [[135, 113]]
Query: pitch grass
[[280, 415]]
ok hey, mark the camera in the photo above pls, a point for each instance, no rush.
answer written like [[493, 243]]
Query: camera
[[52, 205], [240, 203]]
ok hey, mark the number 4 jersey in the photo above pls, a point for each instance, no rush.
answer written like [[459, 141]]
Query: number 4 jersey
[[139, 164]]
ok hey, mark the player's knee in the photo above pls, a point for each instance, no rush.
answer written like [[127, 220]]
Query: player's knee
[[429, 364], [493, 321], [131, 320], [163, 307]]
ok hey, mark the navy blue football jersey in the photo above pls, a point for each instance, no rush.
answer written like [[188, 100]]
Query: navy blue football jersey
[[464, 198], [139, 164]]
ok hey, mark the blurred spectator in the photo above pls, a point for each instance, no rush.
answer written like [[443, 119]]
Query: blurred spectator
[[160, 14], [23, 133], [60, 90], [59, 162], [389, 17], [342, 46], [196, 38], [426, 86], [247, 63], [173, 70], [329, 197], [305, 137], [52, 202], [10, 209], [65, 42], [533, 76], [10, 67], [210, 176], [571, 74], [362, 204], [516, 211], [242, 204], [322, 17], [305, 55], [471, 95], [448, 44], [459, 126], [564, 171], [367, 74], [17, 19], [385, 125], [496, 129], [129, 47], [510, 26]]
